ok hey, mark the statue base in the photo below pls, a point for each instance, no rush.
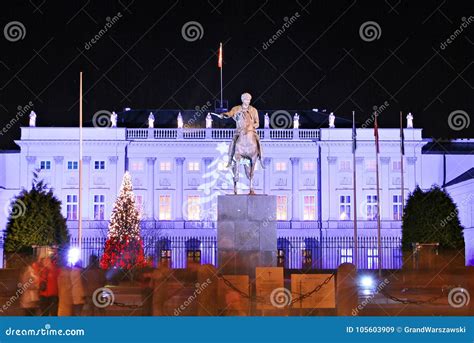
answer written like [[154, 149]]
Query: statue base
[[246, 233]]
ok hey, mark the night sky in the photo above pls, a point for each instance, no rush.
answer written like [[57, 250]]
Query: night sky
[[321, 60]]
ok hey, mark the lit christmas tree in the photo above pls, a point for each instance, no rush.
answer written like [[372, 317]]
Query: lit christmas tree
[[124, 247]]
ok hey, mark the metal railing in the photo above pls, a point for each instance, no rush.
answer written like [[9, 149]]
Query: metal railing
[[219, 134]]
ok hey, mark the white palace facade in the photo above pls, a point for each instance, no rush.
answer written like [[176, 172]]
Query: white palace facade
[[178, 174]]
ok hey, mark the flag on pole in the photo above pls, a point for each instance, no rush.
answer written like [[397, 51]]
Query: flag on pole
[[219, 60], [376, 133], [402, 136], [354, 133]]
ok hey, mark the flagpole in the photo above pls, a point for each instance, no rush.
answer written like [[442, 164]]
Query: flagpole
[[356, 254], [80, 164], [379, 251], [402, 155], [221, 67]]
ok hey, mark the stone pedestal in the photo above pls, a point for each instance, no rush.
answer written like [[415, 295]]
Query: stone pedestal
[[246, 233]]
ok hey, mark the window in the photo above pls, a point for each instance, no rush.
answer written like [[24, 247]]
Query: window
[[72, 165], [165, 207], [45, 165], [346, 255], [370, 165], [345, 165], [280, 166], [99, 207], [193, 166], [309, 166], [165, 166], [397, 207], [282, 207], [99, 165], [344, 207], [194, 207], [371, 207], [136, 166], [71, 207], [139, 203], [396, 166], [309, 207], [372, 258]]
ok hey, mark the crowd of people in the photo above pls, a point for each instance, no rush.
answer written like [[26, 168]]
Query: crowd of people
[[52, 290]]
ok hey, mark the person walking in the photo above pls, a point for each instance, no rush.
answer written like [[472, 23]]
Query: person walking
[[94, 279], [48, 287], [29, 283], [78, 293]]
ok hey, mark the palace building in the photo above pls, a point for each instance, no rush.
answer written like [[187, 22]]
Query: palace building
[[179, 172]]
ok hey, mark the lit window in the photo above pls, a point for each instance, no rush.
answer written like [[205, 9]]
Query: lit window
[[309, 207], [282, 207], [345, 165], [99, 165], [165, 207], [193, 166], [280, 166], [397, 207], [71, 207], [396, 165], [309, 166], [136, 166], [45, 165], [346, 255], [99, 207], [370, 165], [165, 166], [371, 207], [194, 207], [72, 165], [372, 258], [139, 203], [344, 207]]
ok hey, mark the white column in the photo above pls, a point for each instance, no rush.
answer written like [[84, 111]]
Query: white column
[[295, 211], [360, 182], [86, 183], [58, 175], [31, 161], [207, 181], [113, 184], [332, 197], [385, 200], [151, 187], [411, 182], [179, 188], [266, 174]]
